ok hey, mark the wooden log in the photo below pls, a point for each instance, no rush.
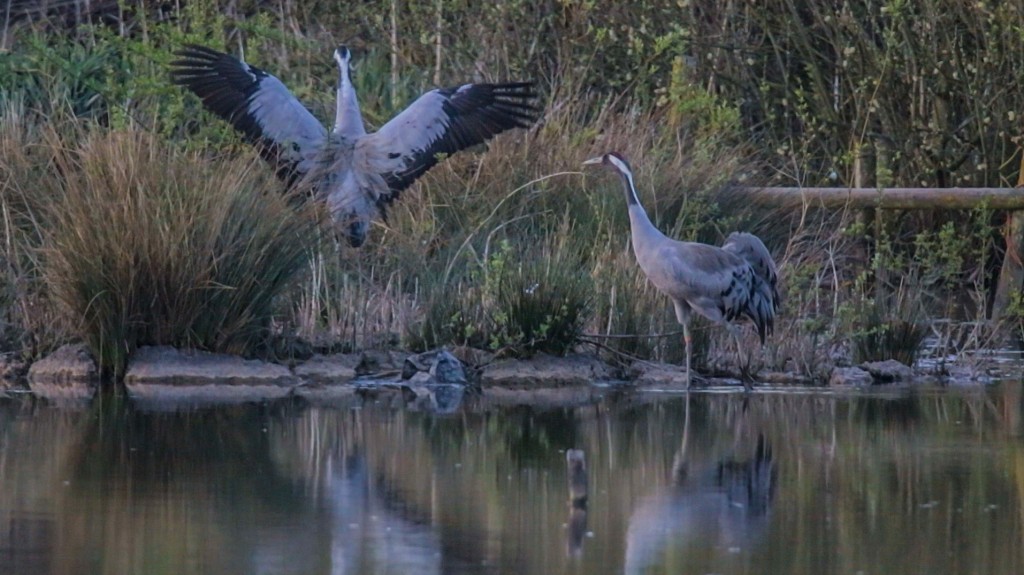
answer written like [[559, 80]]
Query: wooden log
[[893, 198], [1011, 276]]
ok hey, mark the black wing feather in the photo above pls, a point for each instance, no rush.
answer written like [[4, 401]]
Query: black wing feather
[[471, 114], [231, 88]]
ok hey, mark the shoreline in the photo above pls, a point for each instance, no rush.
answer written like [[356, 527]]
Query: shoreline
[[440, 381]]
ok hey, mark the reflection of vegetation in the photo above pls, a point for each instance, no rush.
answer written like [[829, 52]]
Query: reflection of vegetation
[[900, 412], [172, 486], [225, 449], [873, 476]]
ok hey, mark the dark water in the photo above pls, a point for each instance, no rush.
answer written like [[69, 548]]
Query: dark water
[[926, 483]]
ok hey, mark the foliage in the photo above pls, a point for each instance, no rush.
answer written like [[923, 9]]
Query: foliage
[[886, 325], [1015, 316], [149, 246], [541, 300], [700, 96], [520, 303]]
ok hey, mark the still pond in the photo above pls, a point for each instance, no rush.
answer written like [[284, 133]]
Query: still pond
[[927, 482]]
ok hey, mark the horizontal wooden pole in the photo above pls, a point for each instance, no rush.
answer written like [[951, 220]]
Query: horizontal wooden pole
[[893, 198]]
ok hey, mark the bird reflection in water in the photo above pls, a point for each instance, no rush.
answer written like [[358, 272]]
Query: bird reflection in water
[[715, 508]]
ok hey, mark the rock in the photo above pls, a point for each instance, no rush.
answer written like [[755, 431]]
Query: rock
[[472, 356], [564, 397], [328, 378], [850, 376], [12, 369], [420, 378], [447, 369], [888, 371], [375, 362], [546, 371], [661, 375], [966, 375], [418, 363], [165, 375], [328, 369], [783, 378], [442, 366], [68, 374]]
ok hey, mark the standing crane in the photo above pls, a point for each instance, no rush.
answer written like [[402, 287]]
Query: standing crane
[[355, 173], [723, 284]]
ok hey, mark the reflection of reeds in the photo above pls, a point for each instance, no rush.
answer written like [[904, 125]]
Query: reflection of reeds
[[169, 492], [173, 492]]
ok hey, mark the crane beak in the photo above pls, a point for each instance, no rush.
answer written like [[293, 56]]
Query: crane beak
[[593, 161]]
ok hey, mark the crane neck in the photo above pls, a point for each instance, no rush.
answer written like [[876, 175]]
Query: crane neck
[[630, 189], [348, 121], [643, 231]]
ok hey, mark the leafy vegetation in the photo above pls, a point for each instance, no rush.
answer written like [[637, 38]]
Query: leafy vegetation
[[110, 172]]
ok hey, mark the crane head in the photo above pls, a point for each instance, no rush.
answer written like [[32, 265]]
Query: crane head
[[343, 57], [614, 160]]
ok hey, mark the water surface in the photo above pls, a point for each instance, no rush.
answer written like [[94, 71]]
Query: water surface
[[925, 482]]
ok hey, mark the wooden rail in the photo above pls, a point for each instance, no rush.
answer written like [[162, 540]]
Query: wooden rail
[[896, 198], [1011, 276]]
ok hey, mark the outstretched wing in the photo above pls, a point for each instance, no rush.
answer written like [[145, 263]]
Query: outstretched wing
[[257, 104], [442, 122]]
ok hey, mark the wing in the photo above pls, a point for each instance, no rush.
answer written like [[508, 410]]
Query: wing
[[719, 284], [752, 250], [257, 104], [442, 122]]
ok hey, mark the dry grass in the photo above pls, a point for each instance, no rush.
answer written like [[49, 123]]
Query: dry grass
[[146, 245]]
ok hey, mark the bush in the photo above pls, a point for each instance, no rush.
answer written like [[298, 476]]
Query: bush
[[540, 301], [152, 246], [888, 327], [520, 303]]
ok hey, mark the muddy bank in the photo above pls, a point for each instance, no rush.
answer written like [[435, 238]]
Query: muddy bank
[[441, 380]]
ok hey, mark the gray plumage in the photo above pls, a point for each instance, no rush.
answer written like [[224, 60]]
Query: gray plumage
[[354, 173], [736, 281]]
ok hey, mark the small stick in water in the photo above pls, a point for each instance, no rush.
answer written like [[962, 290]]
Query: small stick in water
[[576, 467]]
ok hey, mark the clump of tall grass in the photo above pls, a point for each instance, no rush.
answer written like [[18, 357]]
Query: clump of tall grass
[[27, 191], [148, 245], [888, 326]]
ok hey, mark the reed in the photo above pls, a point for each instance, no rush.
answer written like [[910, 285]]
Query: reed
[[151, 246]]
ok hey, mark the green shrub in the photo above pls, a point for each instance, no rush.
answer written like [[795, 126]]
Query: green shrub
[[452, 315], [540, 301], [520, 302]]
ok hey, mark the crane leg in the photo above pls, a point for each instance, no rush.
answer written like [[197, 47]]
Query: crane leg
[[689, 344]]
